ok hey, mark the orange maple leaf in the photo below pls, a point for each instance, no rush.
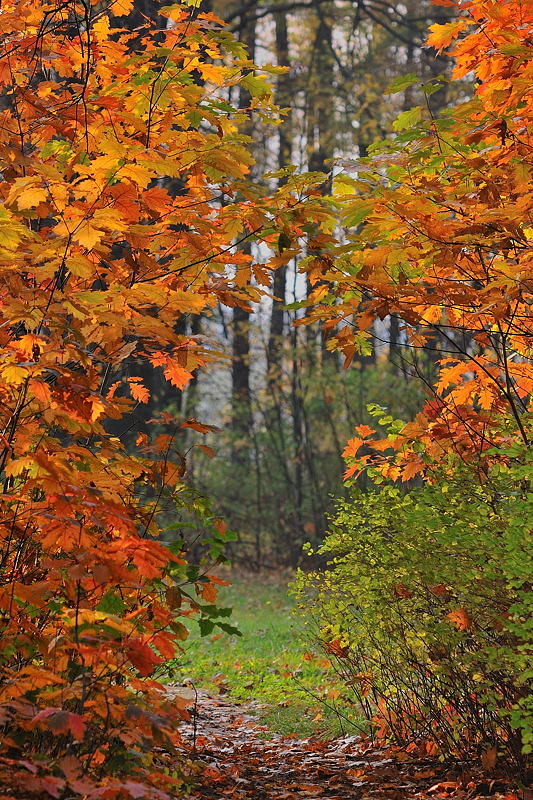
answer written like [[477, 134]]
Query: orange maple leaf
[[461, 619]]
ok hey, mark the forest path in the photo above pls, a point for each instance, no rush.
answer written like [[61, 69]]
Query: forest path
[[236, 757]]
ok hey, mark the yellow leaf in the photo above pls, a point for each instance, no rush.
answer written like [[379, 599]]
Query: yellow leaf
[[442, 35], [31, 346], [80, 266], [138, 175], [98, 407], [87, 235], [121, 7], [14, 374], [31, 197], [26, 193], [101, 27], [20, 465], [10, 230]]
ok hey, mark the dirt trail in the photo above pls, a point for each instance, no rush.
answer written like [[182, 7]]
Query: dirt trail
[[236, 757]]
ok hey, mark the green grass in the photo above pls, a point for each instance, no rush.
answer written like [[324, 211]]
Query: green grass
[[270, 666]]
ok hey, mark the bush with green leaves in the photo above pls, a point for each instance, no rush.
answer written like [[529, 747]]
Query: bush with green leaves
[[425, 608]]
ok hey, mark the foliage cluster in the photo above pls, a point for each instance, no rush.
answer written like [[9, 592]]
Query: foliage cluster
[[426, 609], [123, 191], [427, 606], [439, 224]]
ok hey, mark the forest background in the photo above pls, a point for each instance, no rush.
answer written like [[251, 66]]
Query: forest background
[[282, 399]]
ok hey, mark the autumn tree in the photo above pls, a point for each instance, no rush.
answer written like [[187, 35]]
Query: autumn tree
[[439, 222], [99, 260]]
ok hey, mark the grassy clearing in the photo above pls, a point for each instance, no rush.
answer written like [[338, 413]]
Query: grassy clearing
[[270, 665]]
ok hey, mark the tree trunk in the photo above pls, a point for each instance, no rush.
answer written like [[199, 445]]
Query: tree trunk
[[321, 137], [241, 410], [283, 100]]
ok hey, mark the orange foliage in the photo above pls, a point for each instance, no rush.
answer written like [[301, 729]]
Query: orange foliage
[[445, 244], [123, 191]]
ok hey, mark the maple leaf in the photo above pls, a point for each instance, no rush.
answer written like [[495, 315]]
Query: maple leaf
[[351, 471], [338, 648], [121, 7], [41, 391], [351, 448], [411, 468], [97, 407], [461, 619], [26, 193], [149, 557], [197, 426], [31, 345], [442, 35], [364, 431], [142, 656], [209, 592]]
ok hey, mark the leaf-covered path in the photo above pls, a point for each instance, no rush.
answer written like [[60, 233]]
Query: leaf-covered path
[[238, 758]]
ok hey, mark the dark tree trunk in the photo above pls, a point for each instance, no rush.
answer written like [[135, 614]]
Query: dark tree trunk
[[321, 136], [241, 412], [283, 100]]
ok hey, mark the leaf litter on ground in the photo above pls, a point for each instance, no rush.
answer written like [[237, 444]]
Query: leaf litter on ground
[[229, 756]]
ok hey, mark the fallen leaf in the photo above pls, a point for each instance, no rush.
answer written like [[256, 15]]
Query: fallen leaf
[[489, 758]]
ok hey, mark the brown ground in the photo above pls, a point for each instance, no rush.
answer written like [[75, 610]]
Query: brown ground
[[235, 757]]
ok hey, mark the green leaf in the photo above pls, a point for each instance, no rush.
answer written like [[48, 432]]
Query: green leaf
[[206, 626], [194, 118], [401, 83], [111, 603], [229, 629], [256, 85], [432, 87], [408, 119], [295, 306], [358, 212]]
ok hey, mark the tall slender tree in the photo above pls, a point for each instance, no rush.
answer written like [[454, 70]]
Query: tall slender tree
[[241, 401]]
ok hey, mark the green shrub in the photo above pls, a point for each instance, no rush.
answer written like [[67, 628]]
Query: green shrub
[[425, 609]]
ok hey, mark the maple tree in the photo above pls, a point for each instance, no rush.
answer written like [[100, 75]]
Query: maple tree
[[426, 604], [100, 255], [442, 219]]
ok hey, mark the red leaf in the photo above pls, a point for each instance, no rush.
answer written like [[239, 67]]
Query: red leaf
[[143, 657], [77, 726]]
